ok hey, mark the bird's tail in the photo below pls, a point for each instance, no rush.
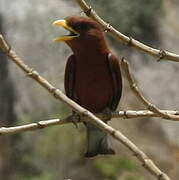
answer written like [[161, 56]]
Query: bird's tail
[[98, 142]]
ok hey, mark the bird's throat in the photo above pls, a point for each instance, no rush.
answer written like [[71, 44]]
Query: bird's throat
[[87, 48]]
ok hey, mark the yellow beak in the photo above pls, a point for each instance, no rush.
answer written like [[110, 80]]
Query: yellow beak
[[73, 34]]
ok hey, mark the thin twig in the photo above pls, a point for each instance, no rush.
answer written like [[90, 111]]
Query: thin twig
[[139, 95], [141, 114], [33, 126], [159, 54], [129, 114], [147, 163]]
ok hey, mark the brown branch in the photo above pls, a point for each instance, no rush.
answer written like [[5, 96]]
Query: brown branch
[[147, 163], [53, 122], [159, 54], [139, 95]]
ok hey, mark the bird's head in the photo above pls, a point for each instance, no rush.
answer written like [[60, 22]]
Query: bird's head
[[80, 28]]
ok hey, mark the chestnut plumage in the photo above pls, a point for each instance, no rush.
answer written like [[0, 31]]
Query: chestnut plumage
[[92, 76]]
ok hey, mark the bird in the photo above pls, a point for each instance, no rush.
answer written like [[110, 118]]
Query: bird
[[92, 76]]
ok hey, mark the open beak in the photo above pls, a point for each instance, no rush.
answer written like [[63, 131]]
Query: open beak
[[73, 34]]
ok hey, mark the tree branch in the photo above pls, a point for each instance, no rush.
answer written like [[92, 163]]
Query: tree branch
[[147, 163], [53, 122], [129, 114], [139, 95], [33, 126], [159, 54]]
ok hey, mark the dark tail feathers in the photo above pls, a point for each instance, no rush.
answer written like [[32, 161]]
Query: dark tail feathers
[[98, 142]]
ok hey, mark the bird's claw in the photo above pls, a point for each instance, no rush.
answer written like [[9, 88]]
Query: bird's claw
[[108, 114], [75, 118]]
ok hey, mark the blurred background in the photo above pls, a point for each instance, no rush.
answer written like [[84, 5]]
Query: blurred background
[[57, 152]]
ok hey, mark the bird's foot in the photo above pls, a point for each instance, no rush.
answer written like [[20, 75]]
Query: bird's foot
[[75, 118], [108, 114]]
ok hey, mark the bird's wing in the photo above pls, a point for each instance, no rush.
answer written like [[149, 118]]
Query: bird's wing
[[70, 76], [114, 65]]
